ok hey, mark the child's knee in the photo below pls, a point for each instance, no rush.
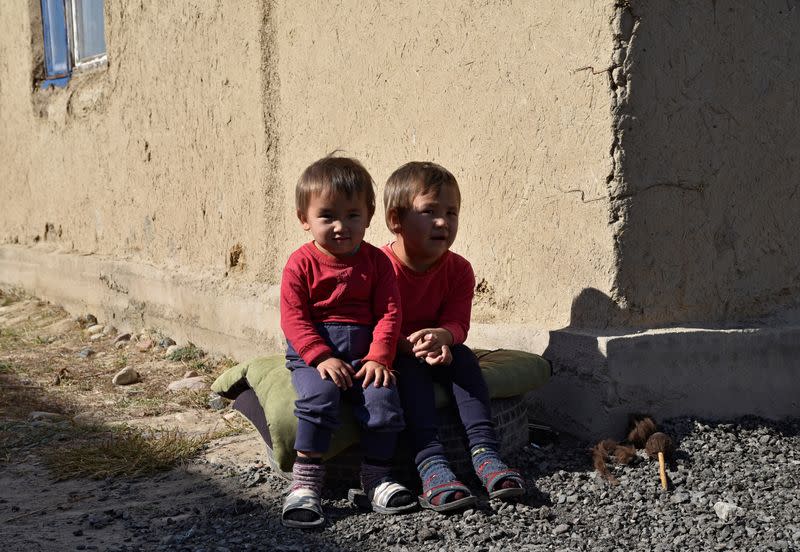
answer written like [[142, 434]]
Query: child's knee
[[384, 409], [321, 402]]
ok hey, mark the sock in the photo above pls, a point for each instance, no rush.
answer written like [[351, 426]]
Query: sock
[[485, 459], [436, 471], [307, 473], [374, 472]]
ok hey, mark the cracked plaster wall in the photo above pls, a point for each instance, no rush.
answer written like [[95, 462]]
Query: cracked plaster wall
[[705, 188], [164, 158], [499, 92], [183, 154]]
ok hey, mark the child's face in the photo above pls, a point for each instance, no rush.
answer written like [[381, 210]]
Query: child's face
[[429, 228], [336, 223]]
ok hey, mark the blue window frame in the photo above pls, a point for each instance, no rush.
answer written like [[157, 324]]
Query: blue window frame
[[74, 36]]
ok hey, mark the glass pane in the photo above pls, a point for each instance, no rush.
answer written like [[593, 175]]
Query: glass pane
[[89, 37], [56, 61]]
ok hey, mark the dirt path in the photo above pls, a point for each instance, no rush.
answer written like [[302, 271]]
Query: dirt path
[[43, 370]]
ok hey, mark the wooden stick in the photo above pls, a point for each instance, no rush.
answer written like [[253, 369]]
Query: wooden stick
[[662, 470]]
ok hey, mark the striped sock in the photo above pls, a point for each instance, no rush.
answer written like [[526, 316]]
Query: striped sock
[[308, 473]]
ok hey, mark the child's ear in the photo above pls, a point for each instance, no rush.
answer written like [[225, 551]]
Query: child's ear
[[301, 216], [394, 221]]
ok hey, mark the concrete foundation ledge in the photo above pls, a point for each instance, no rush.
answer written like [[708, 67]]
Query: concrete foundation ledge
[[715, 373], [218, 314]]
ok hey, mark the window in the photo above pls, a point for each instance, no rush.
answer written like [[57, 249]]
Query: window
[[73, 38]]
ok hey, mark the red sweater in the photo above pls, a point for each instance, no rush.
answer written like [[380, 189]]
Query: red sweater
[[440, 297], [361, 289]]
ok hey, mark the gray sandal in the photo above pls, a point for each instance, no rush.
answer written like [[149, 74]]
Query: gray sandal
[[379, 497], [305, 500]]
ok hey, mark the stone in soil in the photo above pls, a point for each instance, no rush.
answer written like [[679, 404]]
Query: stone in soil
[[122, 337], [96, 328], [38, 416], [86, 352], [126, 376], [215, 402], [171, 349], [166, 342], [144, 344], [196, 383]]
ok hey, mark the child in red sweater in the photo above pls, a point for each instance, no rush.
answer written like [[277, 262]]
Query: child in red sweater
[[340, 314], [422, 202]]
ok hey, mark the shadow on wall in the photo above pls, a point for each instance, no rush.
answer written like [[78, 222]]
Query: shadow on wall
[[571, 397]]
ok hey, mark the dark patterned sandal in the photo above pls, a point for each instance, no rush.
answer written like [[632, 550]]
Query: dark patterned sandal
[[494, 482], [445, 491], [303, 500]]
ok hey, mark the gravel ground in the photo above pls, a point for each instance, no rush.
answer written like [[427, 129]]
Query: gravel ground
[[734, 486]]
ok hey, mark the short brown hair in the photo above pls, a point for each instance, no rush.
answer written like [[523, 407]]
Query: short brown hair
[[335, 175], [413, 179]]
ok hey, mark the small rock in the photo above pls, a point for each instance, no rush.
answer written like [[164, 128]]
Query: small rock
[[144, 344], [87, 320], [190, 374], [193, 384], [230, 416], [96, 328], [171, 349], [561, 529], [166, 343], [122, 337], [121, 344], [126, 376], [38, 416], [109, 330], [85, 418], [96, 337], [680, 498], [86, 353], [215, 402], [426, 534], [727, 511]]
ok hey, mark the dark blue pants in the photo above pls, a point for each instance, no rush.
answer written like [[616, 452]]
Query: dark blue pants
[[377, 409], [463, 379]]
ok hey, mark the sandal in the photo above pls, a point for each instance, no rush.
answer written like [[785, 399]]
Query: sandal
[[378, 498], [447, 489], [305, 500], [492, 480]]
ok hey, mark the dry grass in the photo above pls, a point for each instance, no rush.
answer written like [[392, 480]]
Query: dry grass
[[100, 451], [123, 451]]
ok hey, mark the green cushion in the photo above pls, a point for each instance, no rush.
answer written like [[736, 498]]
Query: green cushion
[[507, 374]]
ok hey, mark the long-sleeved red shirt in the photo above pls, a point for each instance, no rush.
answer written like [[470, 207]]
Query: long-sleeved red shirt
[[361, 289], [440, 297]]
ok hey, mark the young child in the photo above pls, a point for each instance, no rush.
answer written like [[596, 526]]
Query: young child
[[340, 315], [422, 203]]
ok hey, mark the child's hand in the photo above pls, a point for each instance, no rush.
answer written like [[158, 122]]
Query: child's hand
[[373, 371], [338, 371], [443, 358], [429, 341]]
